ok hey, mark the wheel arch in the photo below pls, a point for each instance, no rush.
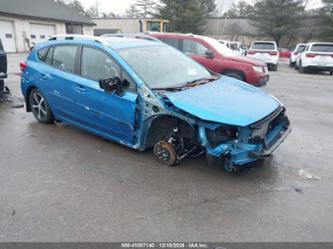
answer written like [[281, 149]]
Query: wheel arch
[[160, 126], [27, 102], [235, 71]]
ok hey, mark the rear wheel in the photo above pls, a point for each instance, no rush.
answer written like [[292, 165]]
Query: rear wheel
[[274, 68], [291, 64], [40, 107], [301, 69]]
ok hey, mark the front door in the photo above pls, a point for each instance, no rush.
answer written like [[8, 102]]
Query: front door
[[107, 114]]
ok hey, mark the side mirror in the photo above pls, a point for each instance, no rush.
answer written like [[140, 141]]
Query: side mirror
[[209, 54], [111, 84]]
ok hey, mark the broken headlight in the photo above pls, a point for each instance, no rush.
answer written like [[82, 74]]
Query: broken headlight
[[221, 135]]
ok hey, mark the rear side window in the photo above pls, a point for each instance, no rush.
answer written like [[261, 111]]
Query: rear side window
[[171, 41], [1, 47], [193, 48], [48, 57], [97, 65], [64, 58], [263, 46], [322, 48], [41, 54]]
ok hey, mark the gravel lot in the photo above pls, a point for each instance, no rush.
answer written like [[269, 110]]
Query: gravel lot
[[58, 183]]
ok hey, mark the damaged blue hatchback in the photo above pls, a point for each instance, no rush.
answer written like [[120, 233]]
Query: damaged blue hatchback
[[145, 94]]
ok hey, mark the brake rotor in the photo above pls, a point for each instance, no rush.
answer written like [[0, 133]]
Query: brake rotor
[[165, 153]]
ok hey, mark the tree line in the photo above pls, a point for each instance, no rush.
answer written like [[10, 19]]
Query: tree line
[[278, 19]]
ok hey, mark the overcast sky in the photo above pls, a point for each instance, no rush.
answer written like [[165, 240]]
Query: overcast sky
[[119, 6]]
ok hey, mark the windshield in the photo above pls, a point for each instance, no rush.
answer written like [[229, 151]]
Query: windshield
[[322, 48], [263, 46], [162, 66], [222, 49]]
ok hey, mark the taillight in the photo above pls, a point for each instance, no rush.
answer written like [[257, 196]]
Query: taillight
[[310, 55], [22, 66], [273, 53], [251, 52]]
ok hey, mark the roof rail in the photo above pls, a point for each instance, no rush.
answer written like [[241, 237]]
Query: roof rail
[[143, 36], [74, 37]]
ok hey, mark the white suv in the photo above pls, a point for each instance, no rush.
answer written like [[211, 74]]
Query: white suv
[[298, 50], [266, 51], [317, 56]]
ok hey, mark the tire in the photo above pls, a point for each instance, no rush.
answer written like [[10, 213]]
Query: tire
[[274, 68], [40, 107], [331, 73], [301, 69], [234, 75], [291, 64]]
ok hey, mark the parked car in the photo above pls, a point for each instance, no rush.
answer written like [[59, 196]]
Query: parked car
[[317, 56], [266, 51], [237, 48], [284, 52], [298, 50], [145, 94], [217, 58], [3, 69]]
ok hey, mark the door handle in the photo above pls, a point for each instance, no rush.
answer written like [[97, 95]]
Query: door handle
[[43, 76], [79, 88]]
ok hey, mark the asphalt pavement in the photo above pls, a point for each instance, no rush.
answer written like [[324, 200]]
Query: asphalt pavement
[[59, 183]]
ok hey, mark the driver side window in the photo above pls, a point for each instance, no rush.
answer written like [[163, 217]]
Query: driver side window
[[97, 65], [193, 48]]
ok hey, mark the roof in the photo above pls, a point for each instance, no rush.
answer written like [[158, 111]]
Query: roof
[[47, 9], [125, 42], [113, 42]]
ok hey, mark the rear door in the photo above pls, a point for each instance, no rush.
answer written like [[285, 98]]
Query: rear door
[[108, 114], [57, 80]]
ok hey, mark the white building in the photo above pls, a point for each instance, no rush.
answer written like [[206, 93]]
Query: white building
[[26, 22]]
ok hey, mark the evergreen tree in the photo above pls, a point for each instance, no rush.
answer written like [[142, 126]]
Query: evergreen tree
[[327, 15], [278, 18], [186, 16]]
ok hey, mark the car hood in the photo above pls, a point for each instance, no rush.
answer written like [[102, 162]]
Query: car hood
[[227, 101], [244, 59]]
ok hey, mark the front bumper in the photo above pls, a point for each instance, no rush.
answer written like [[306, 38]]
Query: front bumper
[[243, 151], [268, 149], [262, 81]]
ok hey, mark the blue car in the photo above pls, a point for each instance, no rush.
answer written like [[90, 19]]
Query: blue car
[[145, 94]]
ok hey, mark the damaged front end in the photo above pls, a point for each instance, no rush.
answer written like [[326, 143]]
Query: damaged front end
[[239, 146]]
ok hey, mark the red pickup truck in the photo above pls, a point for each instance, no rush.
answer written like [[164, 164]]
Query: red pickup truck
[[217, 57]]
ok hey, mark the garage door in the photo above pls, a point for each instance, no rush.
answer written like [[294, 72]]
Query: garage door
[[41, 32], [7, 35]]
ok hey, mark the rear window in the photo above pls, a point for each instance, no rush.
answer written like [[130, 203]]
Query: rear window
[[263, 46], [322, 48]]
